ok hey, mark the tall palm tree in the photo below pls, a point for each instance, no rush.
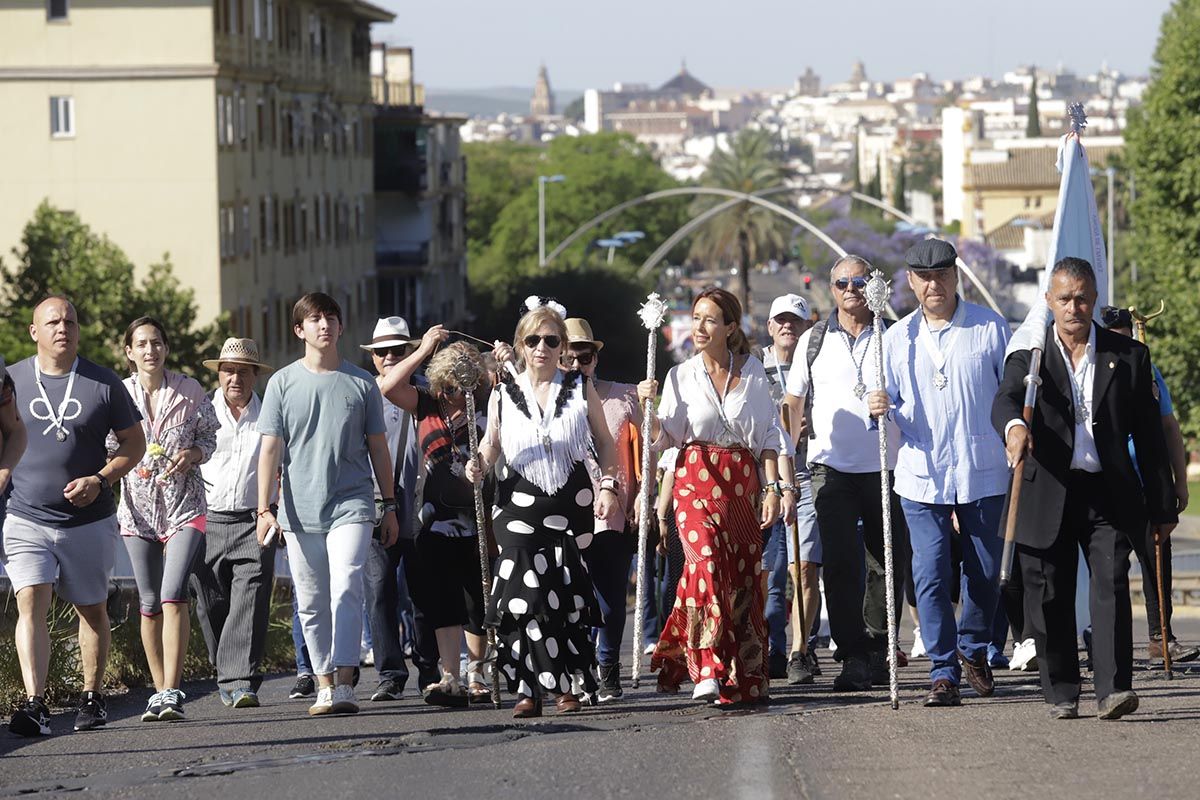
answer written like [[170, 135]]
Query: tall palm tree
[[747, 232]]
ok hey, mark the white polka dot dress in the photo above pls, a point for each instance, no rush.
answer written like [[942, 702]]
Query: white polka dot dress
[[542, 605]]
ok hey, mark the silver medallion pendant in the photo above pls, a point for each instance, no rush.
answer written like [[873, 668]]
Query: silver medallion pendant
[[860, 389], [1081, 414], [939, 380], [457, 469], [61, 435]]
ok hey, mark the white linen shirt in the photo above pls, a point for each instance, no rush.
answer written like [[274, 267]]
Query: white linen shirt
[[949, 451], [232, 472], [845, 436], [690, 411]]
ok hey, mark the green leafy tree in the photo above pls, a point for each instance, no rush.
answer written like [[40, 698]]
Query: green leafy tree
[[1033, 125], [602, 170], [747, 233], [574, 110], [59, 254], [1162, 148]]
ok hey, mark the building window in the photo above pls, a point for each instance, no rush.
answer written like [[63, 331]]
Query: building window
[[62, 117], [245, 248], [257, 19], [269, 19], [242, 128], [57, 10]]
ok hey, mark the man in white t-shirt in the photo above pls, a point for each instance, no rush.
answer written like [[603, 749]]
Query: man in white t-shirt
[[843, 457]]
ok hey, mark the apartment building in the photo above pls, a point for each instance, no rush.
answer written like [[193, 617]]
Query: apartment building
[[233, 135]]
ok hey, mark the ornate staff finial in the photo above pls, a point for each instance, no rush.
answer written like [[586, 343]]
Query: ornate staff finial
[[467, 373], [1077, 117], [879, 291], [653, 311]]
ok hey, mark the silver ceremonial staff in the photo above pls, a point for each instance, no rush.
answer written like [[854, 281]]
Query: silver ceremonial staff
[[878, 292], [651, 313], [468, 376]]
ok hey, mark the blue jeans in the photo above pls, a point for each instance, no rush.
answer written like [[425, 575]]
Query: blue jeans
[[930, 527], [608, 558], [775, 561], [303, 662]]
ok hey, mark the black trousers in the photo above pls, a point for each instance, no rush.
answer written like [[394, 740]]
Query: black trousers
[[852, 564], [383, 613], [1049, 578]]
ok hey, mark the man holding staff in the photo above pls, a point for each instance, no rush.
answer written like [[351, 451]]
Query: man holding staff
[[828, 386], [1082, 489], [943, 364]]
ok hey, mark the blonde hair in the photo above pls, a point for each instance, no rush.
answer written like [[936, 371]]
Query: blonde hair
[[531, 321], [440, 370]]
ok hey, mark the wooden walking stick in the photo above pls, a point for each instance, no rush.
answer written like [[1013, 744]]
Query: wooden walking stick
[[1033, 380], [794, 532], [468, 375], [652, 313], [1139, 329], [877, 294]]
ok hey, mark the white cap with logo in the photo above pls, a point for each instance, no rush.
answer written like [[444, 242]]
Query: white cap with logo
[[789, 304]]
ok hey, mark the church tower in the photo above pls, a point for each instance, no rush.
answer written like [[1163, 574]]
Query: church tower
[[542, 104]]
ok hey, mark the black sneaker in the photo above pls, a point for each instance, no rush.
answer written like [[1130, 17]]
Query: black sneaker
[[153, 708], [172, 706], [610, 683], [305, 686], [880, 676], [92, 712], [31, 719], [855, 677], [814, 666], [798, 672], [388, 690]]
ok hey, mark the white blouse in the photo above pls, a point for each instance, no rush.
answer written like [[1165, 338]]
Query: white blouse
[[690, 410]]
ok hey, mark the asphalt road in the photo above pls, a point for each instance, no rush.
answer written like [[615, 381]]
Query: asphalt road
[[808, 743]]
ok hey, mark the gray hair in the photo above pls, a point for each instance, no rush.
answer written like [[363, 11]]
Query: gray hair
[[849, 258], [1076, 268]]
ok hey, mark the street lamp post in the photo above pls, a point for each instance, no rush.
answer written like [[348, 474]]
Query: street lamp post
[[542, 181], [1110, 173]]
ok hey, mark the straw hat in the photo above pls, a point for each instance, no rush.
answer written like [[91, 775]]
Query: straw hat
[[238, 351], [580, 332], [389, 332]]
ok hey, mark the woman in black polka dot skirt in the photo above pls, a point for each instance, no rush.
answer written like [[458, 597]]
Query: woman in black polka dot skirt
[[543, 606]]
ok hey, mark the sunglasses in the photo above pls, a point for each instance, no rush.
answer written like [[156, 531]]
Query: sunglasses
[[858, 282], [395, 350], [583, 359], [533, 340], [1115, 317]]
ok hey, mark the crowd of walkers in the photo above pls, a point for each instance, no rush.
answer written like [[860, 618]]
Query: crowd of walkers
[[767, 470]]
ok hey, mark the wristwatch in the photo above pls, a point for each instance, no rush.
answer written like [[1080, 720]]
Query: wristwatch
[[104, 484], [388, 505]]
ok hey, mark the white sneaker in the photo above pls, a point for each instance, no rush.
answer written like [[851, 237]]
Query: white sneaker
[[706, 690], [324, 703], [343, 700], [366, 656], [1024, 657], [918, 648]]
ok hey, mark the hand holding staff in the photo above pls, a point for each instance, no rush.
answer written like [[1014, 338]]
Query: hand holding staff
[[652, 313], [878, 293], [468, 376]]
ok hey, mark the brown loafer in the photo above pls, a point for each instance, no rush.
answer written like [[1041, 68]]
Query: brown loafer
[[567, 704], [527, 707], [944, 693], [978, 673]]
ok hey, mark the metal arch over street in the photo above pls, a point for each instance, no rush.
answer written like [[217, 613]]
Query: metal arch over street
[[738, 197]]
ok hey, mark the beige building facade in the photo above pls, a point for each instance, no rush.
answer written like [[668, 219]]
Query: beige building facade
[[233, 136]]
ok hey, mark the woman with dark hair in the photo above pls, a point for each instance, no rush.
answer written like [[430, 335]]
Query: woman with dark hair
[[162, 513], [717, 408], [543, 606]]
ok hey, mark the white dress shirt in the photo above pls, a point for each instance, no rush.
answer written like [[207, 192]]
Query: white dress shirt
[[232, 472]]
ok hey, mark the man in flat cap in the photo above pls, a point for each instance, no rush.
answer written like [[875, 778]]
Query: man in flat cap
[[943, 364]]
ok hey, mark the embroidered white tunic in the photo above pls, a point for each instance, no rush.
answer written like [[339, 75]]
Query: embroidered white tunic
[[543, 445], [690, 410]]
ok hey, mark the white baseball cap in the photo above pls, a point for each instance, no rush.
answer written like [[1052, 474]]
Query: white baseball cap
[[789, 304]]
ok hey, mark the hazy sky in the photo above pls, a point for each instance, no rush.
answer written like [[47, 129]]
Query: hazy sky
[[760, 43]]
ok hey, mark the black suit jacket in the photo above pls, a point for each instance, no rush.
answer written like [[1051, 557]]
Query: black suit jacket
[[1123, 404]]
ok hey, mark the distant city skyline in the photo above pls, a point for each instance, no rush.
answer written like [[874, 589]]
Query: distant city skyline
[[478, 44]]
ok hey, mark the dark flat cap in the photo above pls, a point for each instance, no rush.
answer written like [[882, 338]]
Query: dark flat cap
[[930, 254]]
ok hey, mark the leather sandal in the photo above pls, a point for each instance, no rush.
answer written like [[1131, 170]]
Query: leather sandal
[[448, 692]]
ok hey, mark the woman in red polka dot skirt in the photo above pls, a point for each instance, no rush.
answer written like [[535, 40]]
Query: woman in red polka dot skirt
[[543, 605], [717, 408]]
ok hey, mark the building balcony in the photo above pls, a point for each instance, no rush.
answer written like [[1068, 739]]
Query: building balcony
[[397, 93], [407, 175], [398, 255]]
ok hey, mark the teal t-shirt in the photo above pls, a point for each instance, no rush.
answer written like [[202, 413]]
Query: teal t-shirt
[[323, 420]]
